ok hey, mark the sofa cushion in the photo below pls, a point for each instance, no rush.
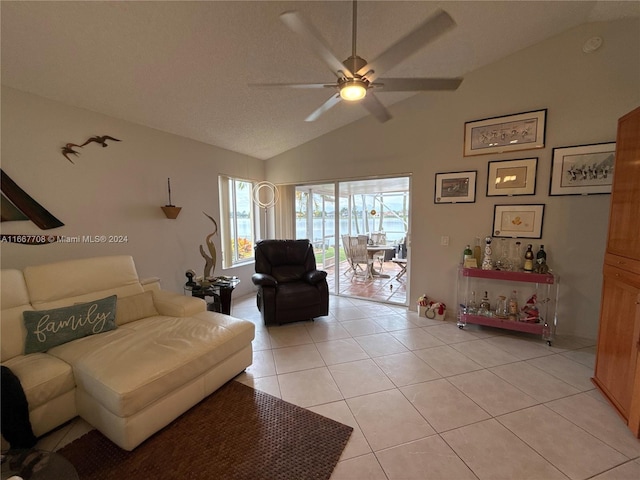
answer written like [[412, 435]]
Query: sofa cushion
[[135, 307], [166, 353], [48, 328], [12, 332], [174, 304], [42, 377], [62, 284], [14, 299], [14, 290]]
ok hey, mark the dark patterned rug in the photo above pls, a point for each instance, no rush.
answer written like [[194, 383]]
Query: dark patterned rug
[[235, 433]]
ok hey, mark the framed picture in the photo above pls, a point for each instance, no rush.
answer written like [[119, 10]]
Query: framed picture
[[512, 177], [522, 131], [518, 221], [583, 170], [456, 187]]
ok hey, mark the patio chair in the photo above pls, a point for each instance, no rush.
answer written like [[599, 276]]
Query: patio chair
[[360, 258], [346, 245], [355, 249], [380, 238]]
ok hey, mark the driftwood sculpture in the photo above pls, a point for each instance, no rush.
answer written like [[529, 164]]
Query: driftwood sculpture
[[210, 260]]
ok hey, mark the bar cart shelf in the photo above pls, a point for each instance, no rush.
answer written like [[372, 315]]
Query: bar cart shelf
[[544, 286]]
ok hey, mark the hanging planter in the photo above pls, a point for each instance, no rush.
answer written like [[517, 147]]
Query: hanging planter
[[171, 211]]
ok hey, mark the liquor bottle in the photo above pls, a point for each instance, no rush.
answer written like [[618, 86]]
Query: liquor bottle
[[513, 306], [503, 262], [468, 260], [502, 309], [472, 307], [528, 259], [541, 256], [477, 252], [517, 256], [485, 305], [487, 261]]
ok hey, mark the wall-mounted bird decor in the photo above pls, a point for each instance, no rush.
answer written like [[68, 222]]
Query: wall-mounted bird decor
[[68, 149], [102, 140]]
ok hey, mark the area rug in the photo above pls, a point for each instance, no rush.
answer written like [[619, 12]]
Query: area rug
[[235, 433]]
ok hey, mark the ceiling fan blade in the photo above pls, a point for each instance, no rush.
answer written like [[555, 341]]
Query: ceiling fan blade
[[417, 84], [426, 33], [334, 100], [371, 103], [315, 42], [293, 85]]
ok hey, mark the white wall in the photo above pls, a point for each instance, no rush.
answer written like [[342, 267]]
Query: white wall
[[116, 190], [584, 95]]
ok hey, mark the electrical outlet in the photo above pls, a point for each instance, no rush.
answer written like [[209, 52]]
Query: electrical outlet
[[444, 240]]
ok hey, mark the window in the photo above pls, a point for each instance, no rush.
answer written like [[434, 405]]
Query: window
[[237, 228]]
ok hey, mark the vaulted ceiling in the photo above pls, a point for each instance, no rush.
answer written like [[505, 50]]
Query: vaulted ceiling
[[184, 67]]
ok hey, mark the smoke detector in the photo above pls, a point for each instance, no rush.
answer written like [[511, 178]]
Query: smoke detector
[[591, 45]]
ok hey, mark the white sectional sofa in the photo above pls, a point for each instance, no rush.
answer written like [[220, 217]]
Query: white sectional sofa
[[164, 353]]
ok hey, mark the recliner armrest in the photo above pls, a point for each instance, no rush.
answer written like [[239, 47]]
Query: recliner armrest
[[315, 276], [264, 280]]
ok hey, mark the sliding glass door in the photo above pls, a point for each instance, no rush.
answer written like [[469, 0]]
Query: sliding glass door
[[315, 220], [375, 208]]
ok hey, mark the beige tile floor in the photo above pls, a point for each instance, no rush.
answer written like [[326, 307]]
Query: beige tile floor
[[430, 401]]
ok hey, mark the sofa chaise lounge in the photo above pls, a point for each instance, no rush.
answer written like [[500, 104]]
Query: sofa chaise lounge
[[163, 354]]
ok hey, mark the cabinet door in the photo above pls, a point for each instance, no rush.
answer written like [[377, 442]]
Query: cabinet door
[[617, 338], [624, 227]]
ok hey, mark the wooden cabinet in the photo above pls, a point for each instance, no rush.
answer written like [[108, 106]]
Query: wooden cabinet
[[617, 372], [618, 337], [624, 224]]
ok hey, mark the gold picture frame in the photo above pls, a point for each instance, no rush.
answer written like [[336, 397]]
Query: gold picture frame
[[521, 131]]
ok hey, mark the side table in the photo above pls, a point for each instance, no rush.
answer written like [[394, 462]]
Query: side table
[[219, 289]]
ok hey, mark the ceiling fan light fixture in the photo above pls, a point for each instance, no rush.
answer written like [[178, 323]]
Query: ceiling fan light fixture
[[353, 90]]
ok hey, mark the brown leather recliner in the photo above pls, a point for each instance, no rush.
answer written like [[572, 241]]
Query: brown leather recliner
[[290, 287]]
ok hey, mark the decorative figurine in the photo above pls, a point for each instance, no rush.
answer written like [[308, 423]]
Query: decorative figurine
[[530, 312], [190, 274], [487, 263]]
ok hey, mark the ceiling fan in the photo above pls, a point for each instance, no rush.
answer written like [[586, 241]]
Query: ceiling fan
[[357, 78]]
